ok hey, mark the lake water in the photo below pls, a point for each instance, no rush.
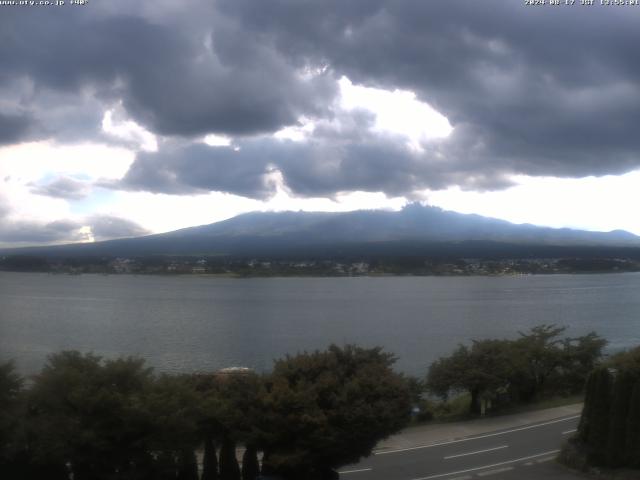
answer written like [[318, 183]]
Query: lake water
[[190, 323]]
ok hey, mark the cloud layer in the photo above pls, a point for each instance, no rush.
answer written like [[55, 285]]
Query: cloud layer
[[551, 91]]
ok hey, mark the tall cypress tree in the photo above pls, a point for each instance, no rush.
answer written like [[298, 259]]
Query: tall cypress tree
[[620, 401], [229, 468], [632, 447], [166, 467], [597, 427], [187, 465], [209, 461], [250, 466], [585, 419]]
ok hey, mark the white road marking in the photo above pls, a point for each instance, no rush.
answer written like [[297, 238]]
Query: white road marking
[[519, 429], [476, 452], [548, 459], [355, 471], [440, 475], [493, 472], [569, 431]]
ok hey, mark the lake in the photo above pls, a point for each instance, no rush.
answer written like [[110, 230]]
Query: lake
[[193, 323]]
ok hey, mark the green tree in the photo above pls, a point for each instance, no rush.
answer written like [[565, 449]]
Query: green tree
[[482, 371], [173, 411], [539, 354], [330, 408], [209, 459], [11, 422], [89, 414], [229, 468], [632, 447], [231, 404], [618, 417], [581, 356], [250, 465], [594, 424]]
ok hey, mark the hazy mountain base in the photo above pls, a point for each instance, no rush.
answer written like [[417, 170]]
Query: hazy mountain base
[[345, 266]]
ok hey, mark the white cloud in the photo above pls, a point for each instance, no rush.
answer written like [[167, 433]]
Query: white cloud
[[22, 166], [590, 203], [129, 131], [397, 112]]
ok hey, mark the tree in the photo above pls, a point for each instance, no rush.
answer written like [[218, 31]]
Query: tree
[[231, 407], [595, 427], [250, 465], [537, 363], [229, 468], [89, 414], [581, 356], [609, 430], [173, 412], [209, 460], [327, 409], [482, 371], [632, 448], [11, 422], [617, 434], [540, 354]]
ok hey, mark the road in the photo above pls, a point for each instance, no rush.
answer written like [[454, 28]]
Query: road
[[523, 452]]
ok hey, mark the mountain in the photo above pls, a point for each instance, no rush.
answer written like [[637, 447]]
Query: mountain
[[416, 229]]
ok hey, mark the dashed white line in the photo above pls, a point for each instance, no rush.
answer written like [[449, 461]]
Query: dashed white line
[[569, 431], [494, 472], [548, 459], [476, 452], [440, 475], [355, 471], [519, 429]]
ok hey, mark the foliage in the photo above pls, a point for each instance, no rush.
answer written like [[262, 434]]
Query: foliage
[[250, 465], [327, 409], [229, 468], [11, 434], [609, 430], [89, 414], [482, 370], [536, 364]]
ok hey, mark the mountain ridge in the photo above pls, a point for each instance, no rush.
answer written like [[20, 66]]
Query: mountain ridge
[[264, 232]]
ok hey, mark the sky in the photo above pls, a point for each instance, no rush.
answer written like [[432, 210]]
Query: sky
[[125, 118]]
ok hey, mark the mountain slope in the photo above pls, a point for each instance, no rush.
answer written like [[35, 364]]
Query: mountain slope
[[321, 232]]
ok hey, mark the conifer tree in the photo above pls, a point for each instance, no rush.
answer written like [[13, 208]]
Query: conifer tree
[[250, 466], [209, 461], [229, 468], [598, 419], [632, 446], [616, 441], [187, 465]]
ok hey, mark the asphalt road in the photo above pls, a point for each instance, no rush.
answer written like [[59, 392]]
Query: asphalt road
[[523, 452]]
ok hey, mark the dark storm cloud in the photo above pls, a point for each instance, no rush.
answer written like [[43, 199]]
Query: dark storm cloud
[[170, 78], [546, 91], [530, 90], [13, 128], [340, 156], [63, 187]]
